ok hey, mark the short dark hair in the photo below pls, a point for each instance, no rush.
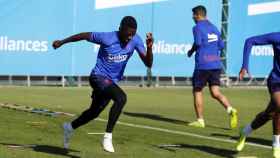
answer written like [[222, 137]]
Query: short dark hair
[[129, 21], [200, 10]]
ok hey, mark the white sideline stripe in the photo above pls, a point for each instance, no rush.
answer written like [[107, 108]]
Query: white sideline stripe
[[90, 133], [263, 8], [184, 133], [103, 4]]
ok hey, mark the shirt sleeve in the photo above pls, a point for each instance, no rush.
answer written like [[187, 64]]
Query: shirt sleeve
[[140, 48], [197, 36], [221, 43], [265, 39], [96, 37]]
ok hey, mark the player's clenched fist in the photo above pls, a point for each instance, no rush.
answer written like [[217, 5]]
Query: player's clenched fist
[[149, 40], [56, 44]]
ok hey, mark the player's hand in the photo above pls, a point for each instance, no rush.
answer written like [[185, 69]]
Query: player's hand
[[149, 40], [56, 44], [242, 73], [190, 53]]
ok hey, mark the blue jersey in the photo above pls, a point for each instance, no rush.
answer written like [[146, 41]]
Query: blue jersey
[[112, 55], [266, 39], [208, 42]]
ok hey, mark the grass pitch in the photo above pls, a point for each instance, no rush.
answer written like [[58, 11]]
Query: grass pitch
[[27, 135]]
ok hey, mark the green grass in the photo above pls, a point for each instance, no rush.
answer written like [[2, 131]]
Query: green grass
[[168, 108]]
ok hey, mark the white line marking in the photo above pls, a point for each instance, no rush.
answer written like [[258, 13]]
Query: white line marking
[[185, 133], [95, 133], [263, 8], [169, 145], [103, 4]]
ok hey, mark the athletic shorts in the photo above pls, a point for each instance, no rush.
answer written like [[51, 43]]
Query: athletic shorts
[[202, 77], [98, 82], [273, 87]]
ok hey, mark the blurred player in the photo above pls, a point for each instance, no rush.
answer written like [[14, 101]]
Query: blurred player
[[115, 50], [273, 84], [207, 45]]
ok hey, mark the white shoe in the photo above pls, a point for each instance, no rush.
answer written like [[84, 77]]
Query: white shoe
[[107, 143], [67, 132]]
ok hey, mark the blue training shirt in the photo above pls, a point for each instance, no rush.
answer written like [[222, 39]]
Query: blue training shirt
[[266, 39], [112, 55], [207, 39]]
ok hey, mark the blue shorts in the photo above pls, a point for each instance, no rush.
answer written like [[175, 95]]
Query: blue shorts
[[273, 87], [202, 77]]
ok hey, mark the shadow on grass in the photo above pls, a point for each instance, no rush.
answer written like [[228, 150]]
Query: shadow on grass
[[207, 149], [54, 150], [249, 139], [164, 119]]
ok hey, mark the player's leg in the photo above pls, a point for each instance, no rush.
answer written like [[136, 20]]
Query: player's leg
[[276, 135], [272, 112], [214, 87], [261, 119], [276, 125], [119, 98], [198, 102], [99, 102], [216, 94], [199, 81]]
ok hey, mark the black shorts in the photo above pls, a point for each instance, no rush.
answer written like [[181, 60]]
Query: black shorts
[[202, 77], [98, 82], [104, 90]]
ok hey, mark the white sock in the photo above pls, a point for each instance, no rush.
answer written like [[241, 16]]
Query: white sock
[[108, 135], [247, 130], [229, 109], [200, 120], [276, 141]]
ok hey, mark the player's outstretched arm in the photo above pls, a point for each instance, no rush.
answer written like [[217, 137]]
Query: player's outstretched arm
[[252, 41], [74, 38], [147, 57]]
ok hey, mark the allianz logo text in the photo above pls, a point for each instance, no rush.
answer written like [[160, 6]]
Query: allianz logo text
[[7, 44]]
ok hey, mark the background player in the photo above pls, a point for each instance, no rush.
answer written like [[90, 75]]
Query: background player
[[207, 45], [115, 50], [273, 84]]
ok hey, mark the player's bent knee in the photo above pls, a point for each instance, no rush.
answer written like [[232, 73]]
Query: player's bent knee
[[122, 99], [216, 95]]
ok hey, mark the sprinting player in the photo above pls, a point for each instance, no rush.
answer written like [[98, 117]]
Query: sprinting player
[[273, 84], [207, 45], [115, 50]]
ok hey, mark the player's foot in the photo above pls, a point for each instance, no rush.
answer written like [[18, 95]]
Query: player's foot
[[67, 132], [198, 123], [276, 152], [241, 142], [107, 143], [233, 118]]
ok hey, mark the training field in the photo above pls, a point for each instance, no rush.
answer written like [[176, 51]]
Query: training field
[[153, 124]]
